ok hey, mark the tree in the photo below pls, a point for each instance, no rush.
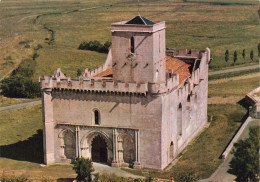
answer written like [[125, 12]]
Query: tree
[[259, 50], [235, 56], [79, 72], [20, 87], [83, 167], [245, 163], [244, 53], [252, 55], [227, 55]]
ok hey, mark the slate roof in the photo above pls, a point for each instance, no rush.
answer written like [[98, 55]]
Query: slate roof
[[177, 66], [140, 20]]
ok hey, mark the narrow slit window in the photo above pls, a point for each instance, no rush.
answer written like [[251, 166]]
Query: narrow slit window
[[96, 117], [132, 45]]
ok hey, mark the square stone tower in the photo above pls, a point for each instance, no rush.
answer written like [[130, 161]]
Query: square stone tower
[[138, 51]]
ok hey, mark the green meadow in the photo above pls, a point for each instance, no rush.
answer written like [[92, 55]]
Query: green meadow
[[60, 26]]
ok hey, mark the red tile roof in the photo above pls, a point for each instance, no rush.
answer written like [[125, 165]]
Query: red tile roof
[[177, 66], [105, 73]]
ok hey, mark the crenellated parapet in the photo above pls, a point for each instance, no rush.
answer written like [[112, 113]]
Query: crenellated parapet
[[184, 53], [91, 84]]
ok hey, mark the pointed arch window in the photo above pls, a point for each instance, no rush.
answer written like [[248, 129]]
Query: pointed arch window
[[132, 45]]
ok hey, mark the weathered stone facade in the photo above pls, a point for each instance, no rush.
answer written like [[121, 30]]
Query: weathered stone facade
[[140, 109]]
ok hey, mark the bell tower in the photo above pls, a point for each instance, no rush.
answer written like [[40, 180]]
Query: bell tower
[[138, 51]]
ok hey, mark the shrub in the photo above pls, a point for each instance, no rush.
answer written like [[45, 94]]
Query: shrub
[[227, 55], [20, 87], [79, 72], [83, 167], [35, 55], [19, 84], [95, 46], [244, 53], [252, 55], [258, 47], [235, 57]]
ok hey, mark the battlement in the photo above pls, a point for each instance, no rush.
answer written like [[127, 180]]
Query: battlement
[[91, 84], [184, 53], [102, 84]]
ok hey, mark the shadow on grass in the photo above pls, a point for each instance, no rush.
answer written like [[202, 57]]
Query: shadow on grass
[[30, 149], [65, 179]]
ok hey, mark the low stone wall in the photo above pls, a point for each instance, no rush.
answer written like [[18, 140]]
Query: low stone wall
[[235, 138]]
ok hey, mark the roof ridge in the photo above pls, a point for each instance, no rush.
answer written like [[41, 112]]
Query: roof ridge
[[142, 19]]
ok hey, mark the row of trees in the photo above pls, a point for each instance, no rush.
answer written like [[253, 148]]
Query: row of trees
[[95, 46], [235, 55]]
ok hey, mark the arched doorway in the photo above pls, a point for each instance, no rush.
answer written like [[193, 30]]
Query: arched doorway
[[99, 149]]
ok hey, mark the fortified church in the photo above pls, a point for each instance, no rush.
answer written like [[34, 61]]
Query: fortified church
[[140, 109]]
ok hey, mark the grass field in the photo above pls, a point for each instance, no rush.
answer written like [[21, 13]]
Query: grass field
[[218, 24]]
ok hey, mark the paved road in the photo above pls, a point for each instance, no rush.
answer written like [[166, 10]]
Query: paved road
[[234, 70], [221, 174], [18, 106]]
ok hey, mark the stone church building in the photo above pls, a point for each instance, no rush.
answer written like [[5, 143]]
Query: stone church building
[[140, 109]]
